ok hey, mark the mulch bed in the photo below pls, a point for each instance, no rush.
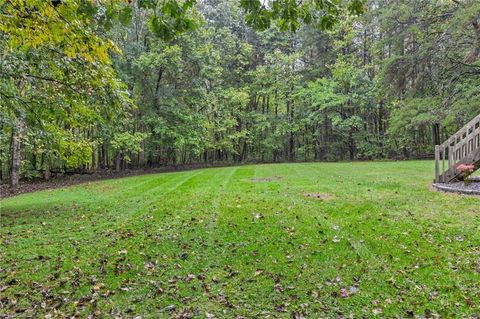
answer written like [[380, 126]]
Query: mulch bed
[[68, 180], [459, 187]]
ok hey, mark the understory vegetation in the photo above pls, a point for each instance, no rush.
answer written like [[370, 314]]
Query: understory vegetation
[[362, 240], [92, 85]]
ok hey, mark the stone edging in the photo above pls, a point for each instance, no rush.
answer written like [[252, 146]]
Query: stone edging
[[453, 189]]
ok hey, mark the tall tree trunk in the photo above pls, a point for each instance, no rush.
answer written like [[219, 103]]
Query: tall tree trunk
[[474, 54], [351, 146], [94, 165], [16, 151], [157, 87], [436, 134], [291, 147], [118, 161], [45, 166], [101, 163], [141, 155], [47, 173], [291, 143]]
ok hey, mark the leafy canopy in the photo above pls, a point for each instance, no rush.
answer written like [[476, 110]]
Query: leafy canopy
[[290, 14]]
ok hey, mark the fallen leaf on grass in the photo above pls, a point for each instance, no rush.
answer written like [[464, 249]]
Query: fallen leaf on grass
[[469, 302], [184, 314], [377, 311], [98, 286], [170, 308], [318, 196], [189, 277], [344, 293], [258, 216], [297, 315]]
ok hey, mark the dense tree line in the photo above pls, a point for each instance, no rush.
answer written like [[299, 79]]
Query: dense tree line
[[221, 83]]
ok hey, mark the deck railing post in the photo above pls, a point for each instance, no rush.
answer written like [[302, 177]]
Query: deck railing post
[[443, 163]]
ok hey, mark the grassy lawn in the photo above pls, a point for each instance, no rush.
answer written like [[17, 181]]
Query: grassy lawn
[[245, 242]]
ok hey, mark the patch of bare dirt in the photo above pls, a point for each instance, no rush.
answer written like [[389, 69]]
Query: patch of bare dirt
[[318, 196], [266, 179]]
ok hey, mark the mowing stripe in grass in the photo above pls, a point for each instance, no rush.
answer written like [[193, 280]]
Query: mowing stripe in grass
[[216, 241]]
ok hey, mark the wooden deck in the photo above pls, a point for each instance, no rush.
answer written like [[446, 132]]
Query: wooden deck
[[462, 148]]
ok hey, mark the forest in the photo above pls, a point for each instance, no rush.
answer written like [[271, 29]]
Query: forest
[[240, 159], [89, 86]]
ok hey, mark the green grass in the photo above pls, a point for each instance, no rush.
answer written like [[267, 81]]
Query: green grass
[[214, 242]]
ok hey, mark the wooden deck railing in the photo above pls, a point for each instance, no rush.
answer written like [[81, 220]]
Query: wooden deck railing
[[455, 150]]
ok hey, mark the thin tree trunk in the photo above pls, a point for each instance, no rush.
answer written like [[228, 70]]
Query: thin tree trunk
[[118, 161], [436, 134], [46, 173], [16, 151], [1, 153], [159, 79], [474, 54]]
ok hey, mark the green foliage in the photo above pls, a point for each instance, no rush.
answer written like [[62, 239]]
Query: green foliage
[[290, 15], [37, 23], [409, 118], [76, 152], [28, 171], [171, 19], [126, 141]]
